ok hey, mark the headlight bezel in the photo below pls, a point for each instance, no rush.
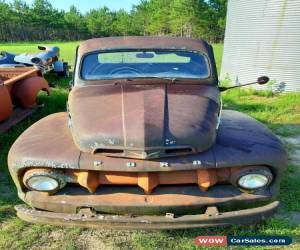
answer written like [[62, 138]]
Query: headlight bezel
[[55, 175], [262, 171]]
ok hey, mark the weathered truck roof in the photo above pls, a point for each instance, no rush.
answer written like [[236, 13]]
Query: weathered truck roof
[[141, 42]]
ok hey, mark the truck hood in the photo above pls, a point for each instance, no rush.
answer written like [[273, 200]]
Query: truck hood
[[144, 121]]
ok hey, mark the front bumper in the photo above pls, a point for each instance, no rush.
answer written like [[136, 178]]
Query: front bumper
[[179, 200], [166, 208], [212, 217]]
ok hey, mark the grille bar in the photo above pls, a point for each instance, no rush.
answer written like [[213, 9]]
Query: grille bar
[[91, 180]]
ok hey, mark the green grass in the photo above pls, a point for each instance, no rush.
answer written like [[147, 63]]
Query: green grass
[[218, 51], [281, 113]]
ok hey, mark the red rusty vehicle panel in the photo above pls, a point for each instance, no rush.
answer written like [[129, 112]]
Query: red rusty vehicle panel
[[19, 87], [6, 102]]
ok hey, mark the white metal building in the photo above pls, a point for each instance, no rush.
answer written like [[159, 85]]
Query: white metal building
[[262, 37]]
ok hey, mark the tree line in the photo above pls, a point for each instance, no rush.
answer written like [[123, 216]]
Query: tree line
[[41, 21]]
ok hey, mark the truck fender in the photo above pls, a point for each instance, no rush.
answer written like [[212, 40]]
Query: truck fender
[[25, 91], [6, 107]]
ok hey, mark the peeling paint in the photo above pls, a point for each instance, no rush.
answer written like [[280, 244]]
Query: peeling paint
[[35, 163]]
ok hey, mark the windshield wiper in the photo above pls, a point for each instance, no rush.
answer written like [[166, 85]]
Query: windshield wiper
[[171, 79]]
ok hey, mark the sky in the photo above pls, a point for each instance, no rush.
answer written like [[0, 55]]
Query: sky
[[86, 5]]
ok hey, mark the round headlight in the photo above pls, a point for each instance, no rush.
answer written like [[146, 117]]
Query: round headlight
[[44, 180], [253, 181], [42, 183], [249, 179]]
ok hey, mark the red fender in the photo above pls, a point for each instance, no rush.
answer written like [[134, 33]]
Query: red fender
[[25, 91], [6, 107]]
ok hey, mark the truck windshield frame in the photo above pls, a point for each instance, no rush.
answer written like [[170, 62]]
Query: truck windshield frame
[[143, 64]]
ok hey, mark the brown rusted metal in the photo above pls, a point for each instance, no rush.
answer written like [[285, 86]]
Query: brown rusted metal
[[19, 86], [5, 103], [12, 75], [26, 90], [207, 219], [177, 199], [246, 216], [138, 42], [148, 121]]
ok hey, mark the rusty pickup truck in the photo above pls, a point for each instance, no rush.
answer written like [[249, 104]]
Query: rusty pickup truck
[[145, 144]]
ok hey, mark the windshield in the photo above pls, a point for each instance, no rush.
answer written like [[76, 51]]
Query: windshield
[[144, 64]]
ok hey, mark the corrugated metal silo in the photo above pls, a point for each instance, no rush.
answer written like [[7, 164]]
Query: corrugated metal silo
[[262, 37]]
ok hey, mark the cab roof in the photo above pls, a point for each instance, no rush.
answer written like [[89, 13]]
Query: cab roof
[[143, 42]]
